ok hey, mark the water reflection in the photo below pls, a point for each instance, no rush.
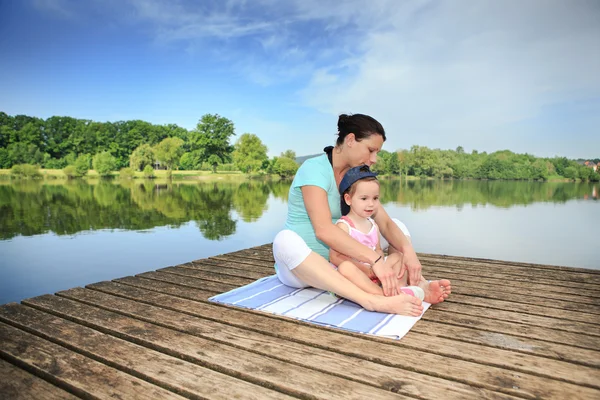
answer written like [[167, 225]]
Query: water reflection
[[31, 208]]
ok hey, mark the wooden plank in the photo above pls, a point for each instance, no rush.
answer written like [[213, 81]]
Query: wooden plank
[[369, 373], [192, 293], [525, 308], [564, 352], [495, 339], [480, 265], [210, 276], [75, 373], [397, 353], [179, 376], [278, 375], [524, 265], [240, 271], [232, 265], [571, 275], [507, 279], [521, 318], [493, 292], [570, 297], [553, 323], [211, 286], [17, 384], [519, 295]]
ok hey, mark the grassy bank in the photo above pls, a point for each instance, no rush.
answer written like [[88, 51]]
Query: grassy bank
[[159, 174]]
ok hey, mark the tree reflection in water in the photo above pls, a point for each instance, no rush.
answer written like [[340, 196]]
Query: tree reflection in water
[[31, 208]]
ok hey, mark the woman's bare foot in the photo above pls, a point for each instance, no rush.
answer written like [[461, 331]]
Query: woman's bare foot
[[402, 304], [436, 291]]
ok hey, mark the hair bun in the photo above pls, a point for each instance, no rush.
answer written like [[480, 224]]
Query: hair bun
[[343, 121]]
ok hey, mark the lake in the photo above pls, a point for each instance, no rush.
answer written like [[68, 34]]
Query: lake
[[55, 235]]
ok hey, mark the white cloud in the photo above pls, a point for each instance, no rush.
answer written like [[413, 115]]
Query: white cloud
[[465, 68]]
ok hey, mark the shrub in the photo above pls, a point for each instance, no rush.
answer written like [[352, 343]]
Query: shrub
[[32, 171], [126, 173], [82, 164], [148, 172], [26, 171], [226, 167], [104, 163], [71, 172]]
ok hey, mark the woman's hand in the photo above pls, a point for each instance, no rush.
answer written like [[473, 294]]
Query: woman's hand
[[413, 265], [387, 276]]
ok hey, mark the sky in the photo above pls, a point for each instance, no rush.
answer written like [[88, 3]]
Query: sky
[[484, 75]]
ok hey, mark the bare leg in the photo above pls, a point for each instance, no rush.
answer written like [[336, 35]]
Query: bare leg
[[316, 272], [356, 276], [435, 291]]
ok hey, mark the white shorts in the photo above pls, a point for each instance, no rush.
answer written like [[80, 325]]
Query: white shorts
[[290, 250]]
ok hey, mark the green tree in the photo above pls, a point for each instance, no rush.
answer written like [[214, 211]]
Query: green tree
[[148, 172], [381, 166], [393, 164], [186, 162], [285, 167], [570, 172], [142, 155], [82, 165], [249, 153], [211, 136], [291, 154], [104, 163], [169, 151]]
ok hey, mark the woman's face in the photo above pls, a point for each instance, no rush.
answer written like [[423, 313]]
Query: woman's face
[[365, 151]]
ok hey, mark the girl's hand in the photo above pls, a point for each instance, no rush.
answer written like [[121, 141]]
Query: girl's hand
[[387, 276]]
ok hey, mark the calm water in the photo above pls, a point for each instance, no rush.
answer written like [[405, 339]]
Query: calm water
[[55, 236]]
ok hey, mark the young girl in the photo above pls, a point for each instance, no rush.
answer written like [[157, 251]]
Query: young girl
[[359, 191]]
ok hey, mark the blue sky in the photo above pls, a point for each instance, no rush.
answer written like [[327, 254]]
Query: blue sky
[[486, 75]]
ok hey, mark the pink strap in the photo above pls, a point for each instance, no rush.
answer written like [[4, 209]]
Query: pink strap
[[349, 221]]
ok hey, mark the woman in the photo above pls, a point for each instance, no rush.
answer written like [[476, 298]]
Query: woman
[[302, 248]]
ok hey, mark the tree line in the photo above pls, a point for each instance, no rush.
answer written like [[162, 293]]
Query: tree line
[[421, 161], [76, 145]]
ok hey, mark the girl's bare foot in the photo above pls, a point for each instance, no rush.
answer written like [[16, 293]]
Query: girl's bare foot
[[402, 304], [436, 291]]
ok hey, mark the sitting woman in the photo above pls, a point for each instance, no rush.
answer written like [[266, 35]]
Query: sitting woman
[[301, 250]]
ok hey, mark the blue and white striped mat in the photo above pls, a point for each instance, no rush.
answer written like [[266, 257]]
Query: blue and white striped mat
[[316, 306]]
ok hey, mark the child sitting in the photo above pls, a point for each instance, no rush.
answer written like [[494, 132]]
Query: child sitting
[[359, 190]]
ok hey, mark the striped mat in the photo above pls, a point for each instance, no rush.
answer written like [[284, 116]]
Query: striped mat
[[316, 306]]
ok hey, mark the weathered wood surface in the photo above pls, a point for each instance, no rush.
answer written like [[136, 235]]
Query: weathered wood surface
[[509, 331]]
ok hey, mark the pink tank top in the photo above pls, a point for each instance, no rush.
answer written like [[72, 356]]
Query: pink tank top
[[368, 239]]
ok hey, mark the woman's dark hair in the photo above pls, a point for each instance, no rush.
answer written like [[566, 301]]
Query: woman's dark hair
[[361, 125]]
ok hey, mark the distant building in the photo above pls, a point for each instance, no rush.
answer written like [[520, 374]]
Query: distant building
[[591, 164], [158, 165]]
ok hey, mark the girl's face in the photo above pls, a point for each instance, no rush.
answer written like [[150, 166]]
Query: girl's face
[[365, 151], [365, 200]]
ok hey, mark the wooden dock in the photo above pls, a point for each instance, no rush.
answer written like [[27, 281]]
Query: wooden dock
[[509, 331]]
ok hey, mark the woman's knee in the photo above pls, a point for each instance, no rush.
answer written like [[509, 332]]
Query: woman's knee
[[289, 249], [402, 227], [385, 244]]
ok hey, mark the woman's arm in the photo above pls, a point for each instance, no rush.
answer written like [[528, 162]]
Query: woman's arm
[[400, 242], [337, 258]]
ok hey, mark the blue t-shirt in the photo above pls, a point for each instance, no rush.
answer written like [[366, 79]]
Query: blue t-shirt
[[315, 171]]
